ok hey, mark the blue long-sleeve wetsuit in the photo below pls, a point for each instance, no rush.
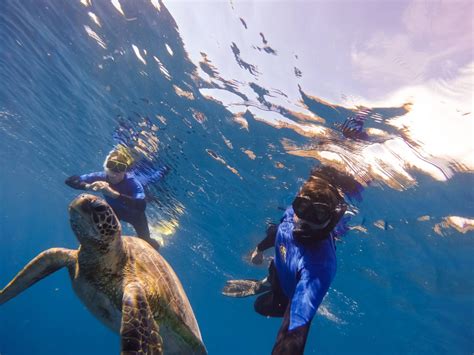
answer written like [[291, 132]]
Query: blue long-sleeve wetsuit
[[300, 276], [305, 271], [129, 206]]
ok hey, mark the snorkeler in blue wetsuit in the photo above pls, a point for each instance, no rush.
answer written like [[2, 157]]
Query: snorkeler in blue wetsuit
[[305, 259], [122, 191]]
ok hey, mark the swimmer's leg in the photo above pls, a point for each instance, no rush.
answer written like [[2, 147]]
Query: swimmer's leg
[[140, 223]]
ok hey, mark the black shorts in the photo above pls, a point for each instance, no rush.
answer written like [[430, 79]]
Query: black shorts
[[274, 302]]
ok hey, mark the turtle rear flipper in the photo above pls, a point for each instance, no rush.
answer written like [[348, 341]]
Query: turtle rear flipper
[[44, 264], [245, 288], [139, 332]]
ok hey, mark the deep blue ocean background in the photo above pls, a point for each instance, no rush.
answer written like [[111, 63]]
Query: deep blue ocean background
[[66, 101]]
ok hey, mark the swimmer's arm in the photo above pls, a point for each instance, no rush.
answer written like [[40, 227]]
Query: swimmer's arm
[[257, 254], [136, 200], [290, 342], [304, 304], [83, 182], [269, 240]]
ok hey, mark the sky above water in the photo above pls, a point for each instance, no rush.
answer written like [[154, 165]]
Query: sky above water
[[349, 53]]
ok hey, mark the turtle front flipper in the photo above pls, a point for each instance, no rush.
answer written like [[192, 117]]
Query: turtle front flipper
[[41, 266], [139, 331]]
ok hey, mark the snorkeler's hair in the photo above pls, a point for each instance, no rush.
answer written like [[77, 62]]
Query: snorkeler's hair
[[120, 153], [346, 183], [320, 190]]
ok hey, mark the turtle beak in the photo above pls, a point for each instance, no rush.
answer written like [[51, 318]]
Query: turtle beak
[[82, 204], [79, 210]]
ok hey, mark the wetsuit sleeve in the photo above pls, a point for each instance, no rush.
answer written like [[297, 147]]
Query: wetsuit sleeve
[[310, 291], [269, 240], [80, 182], [290, 342], [136, 198]]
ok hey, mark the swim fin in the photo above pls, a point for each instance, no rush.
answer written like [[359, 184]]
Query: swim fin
[[245, 288]]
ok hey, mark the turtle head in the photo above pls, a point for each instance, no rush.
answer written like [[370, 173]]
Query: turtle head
[[93, 220]]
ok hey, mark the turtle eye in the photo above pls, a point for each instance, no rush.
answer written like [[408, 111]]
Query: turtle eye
[[95, 218]]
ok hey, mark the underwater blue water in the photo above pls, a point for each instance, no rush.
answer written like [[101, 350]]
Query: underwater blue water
[[65, 101]]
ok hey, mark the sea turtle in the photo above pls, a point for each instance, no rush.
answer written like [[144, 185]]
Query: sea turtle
[[123, 281]]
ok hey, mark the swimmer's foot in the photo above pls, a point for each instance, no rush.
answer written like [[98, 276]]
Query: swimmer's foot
[[245, 288]]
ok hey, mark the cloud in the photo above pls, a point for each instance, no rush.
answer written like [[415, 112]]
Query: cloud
[[434, 37], [383, 60], [442, 22]]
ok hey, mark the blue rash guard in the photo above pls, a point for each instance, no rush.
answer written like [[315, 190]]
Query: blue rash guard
[[132, 199], [305, 271]]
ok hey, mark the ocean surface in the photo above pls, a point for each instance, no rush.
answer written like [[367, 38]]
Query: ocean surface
[[240, 100]]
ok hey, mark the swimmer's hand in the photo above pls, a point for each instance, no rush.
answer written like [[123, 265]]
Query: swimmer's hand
[[98, 186], [103, 187], [256, 257]]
